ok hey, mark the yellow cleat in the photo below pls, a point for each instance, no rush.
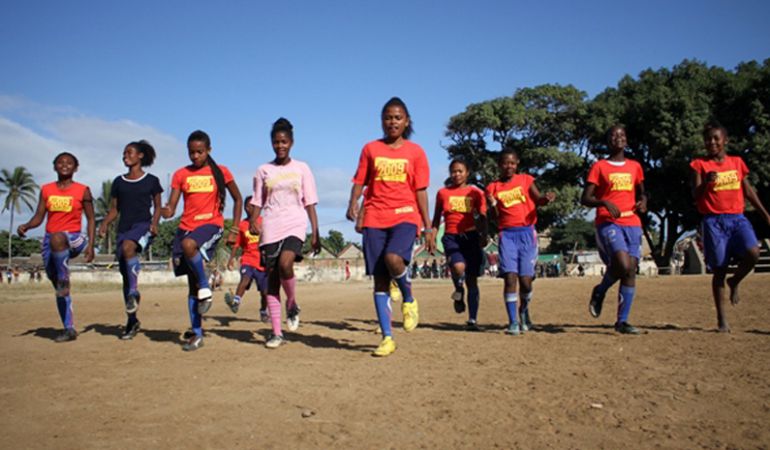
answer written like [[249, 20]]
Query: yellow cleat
[[411, 315], [395, 292], [386, 347]]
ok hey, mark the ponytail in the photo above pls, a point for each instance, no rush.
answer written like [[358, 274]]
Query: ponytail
[[219, 178]]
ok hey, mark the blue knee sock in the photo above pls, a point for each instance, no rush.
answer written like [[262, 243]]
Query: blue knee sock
[[458, 281], [607, 281], [405, 286], [132, 272], [473, 302], [64, 305], [196, 320], [625, 299], [511, 307], [196, 264], [60, 264], [382, 306]]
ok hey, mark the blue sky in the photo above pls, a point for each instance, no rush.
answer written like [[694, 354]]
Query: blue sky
[[89, 77]]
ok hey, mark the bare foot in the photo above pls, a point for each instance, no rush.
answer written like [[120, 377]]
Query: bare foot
[[734, 298]]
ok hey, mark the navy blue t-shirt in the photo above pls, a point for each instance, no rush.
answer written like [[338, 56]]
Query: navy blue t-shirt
[[134, 199]]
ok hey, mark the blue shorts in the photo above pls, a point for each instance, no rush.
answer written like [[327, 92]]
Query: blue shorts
[[139, 233], [398, 239], [256, 275], [726, 236], [518, 251], [464, 248], [77, 242], [612, 238], [206, 236]]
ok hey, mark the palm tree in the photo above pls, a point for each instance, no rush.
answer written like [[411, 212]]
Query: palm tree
[[102, 207], [19, 188]]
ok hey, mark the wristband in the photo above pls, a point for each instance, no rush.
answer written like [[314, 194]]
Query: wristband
[[425, 230]]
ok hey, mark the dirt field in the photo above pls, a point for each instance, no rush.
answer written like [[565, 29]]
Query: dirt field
[[572, 383]]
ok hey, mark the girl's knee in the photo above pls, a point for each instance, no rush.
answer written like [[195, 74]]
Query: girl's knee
[[189, 246], [129, 249], [59, 242]]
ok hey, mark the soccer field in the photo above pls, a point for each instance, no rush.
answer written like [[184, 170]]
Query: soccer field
[[571, 383]]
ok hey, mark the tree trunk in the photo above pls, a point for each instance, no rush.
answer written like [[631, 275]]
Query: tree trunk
[[10, 234]]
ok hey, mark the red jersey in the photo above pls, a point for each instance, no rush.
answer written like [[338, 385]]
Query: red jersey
[[617, 182], [250, 245], [725, 195], [201, 199], [64, 207], [515, 208], [392, 176], [458, 205]]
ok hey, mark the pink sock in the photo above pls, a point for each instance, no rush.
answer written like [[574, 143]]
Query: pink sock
[[290, 287], [274, 305]]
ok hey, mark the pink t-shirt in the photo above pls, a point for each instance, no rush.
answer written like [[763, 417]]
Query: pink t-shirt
[[283, 192]]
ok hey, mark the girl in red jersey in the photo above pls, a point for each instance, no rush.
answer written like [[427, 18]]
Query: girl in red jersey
[[395, 173], [203, 184], [719, 185], [514, 198], [614, 187], [64, 202], [459, 204], [251, 265], [131, 197]]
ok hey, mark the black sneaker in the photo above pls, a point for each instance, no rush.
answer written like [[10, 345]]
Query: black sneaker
[[459, 302], [130, 330], [471, 325], [69, 334], [188, 334], [626, 328], [193, 343], [595, 305], [132, 302]]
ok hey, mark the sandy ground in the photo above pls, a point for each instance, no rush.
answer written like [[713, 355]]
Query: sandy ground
[[572, 383]]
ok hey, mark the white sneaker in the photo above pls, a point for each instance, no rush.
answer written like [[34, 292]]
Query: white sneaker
[[292, 318], [275, 341], [204, 300]]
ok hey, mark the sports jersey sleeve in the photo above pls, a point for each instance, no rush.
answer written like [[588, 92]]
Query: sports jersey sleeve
[[259, 184], [228, 176], [177, 181], [309, 192], [156, 187], [362, 172], [639, 174], [744, 170], [114, 188], [481, 201], [421, 170], [440, 200]]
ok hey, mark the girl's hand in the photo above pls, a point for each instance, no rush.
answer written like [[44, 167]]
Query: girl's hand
[[165, 212], [614, 211], [550, 196], [231, 264], [315, 243], [352, 213], [711, 177], [232, 236], [430, 240], [22, 230], [255, 228], [102, 230], [89, 253], [153, 229], [641, 205]]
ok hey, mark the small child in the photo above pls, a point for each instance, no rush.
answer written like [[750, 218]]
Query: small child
[[251, 265], [614, 187], [64, 202], [514, 198], [204, 184], [132, 196], [719, 185], [460, 204]]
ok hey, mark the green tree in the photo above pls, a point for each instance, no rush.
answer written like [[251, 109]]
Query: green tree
[[20, 188], [574, 233], [545, 125], [161, 245], [101, 208], [334, 241], [19, 246]]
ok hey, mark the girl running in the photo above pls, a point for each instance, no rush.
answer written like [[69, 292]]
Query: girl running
[[395, 173], [614, 187], [131, 196], [719, 185], [64, 202], [285, 196], [460, 204], [203, 184], [251, 265], [514, 198]]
